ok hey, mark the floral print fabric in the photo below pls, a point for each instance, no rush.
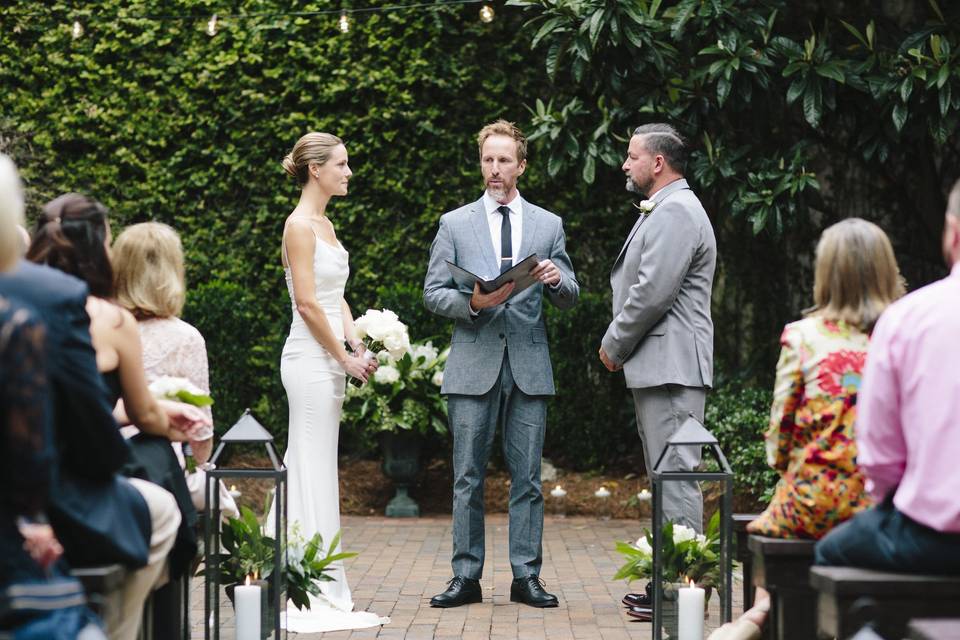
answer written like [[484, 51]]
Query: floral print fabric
[[810, 438]]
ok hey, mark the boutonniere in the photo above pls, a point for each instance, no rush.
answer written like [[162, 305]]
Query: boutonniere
[[646, 206]]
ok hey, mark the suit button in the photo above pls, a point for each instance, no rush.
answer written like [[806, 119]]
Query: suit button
[[501, 336]]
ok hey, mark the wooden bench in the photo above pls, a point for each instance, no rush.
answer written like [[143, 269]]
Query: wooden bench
[[932, 629], [781, 567], [848, 598], [743, 554], [103, 586]]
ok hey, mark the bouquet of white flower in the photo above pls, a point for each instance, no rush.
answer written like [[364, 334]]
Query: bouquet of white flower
[[181, 390], [383, 331]]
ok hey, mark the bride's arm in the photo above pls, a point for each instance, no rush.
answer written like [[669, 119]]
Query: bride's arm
[[301, 244]]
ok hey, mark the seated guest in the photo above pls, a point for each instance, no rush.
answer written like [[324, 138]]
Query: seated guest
[[810, 438], [98, 516], [148, 268], [147, 261], [73, 235], [908, 432], [28, 546]]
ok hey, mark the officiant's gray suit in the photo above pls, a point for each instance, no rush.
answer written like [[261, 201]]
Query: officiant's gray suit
[[662, 332], [498, 371]]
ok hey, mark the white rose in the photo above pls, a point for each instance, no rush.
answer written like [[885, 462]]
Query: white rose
[[426, 351], [702, 540], [438, 378], [644, 546], [386, 375], [396, 344], [682, 533], [168, 386]]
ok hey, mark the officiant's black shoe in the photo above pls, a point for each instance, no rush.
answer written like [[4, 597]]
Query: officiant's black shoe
[[529, 590], [460, 591], [639, 599]]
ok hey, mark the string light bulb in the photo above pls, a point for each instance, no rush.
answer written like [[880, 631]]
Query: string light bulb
[[486, 13], [212, 26], [344, 22], [77, 30]]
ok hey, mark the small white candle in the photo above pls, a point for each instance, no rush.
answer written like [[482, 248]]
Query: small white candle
[[558, 492], [690, 613], [246, 602], [602, 492]]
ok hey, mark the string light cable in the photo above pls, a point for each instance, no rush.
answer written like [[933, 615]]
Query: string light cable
[[212, 22]]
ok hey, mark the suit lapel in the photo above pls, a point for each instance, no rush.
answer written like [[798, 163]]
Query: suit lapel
[[527, 231], [481, 229], [673, 187]]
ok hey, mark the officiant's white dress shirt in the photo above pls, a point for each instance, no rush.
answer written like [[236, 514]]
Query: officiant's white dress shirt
[[495, 220]]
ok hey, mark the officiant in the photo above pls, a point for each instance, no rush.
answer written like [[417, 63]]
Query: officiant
[[499, 369]]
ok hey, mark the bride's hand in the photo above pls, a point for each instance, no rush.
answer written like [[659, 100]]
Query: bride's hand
[[359, 367]]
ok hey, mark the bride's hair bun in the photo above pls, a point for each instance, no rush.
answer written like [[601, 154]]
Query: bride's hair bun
[[289, 165], [313, 147]]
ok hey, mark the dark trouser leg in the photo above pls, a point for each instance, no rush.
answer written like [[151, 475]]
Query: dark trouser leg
[[473, 422], [882, 538], [524, 420]]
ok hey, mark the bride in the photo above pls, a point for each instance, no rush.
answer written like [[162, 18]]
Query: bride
[[313, 367]]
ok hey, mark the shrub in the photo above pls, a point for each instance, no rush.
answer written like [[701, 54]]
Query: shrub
[[738, 417]]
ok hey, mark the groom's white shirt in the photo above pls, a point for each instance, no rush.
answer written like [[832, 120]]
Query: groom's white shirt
[[495, 220]]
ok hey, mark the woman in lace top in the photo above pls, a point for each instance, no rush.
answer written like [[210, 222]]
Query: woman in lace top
[[149, 280]]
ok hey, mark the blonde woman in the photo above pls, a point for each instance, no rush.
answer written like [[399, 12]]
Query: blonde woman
[[314, 366], [148, 280], [810, 437]]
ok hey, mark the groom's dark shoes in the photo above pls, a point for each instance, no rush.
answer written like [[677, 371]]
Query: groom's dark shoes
[[529, 590], [460, 591]]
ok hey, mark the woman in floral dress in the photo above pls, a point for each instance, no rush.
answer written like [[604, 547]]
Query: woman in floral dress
[[810, 437]]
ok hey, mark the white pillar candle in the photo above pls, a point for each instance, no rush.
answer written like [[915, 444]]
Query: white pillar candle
[[246, 601], [690, 613]]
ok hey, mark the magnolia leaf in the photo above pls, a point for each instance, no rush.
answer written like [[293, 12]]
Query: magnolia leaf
[[899, 116]]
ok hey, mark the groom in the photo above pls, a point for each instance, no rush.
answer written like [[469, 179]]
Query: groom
[[662, 334], [499, 367]]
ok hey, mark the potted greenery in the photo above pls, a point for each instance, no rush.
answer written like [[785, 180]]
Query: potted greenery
[[684, 555], [401, 404], [249, 551]]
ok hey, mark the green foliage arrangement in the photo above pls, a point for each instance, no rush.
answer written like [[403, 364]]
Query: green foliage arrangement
[[685, 554], [247, 551], [403, 394]]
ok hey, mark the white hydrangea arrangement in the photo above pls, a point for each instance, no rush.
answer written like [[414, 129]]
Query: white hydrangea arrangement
[[404, 393]]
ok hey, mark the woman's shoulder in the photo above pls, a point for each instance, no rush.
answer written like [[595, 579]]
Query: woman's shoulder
[[825, 334], [171, 331], [109, 316]]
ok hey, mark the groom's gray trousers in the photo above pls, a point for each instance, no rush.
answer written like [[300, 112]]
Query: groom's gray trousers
[[473, 421], [660, 412]]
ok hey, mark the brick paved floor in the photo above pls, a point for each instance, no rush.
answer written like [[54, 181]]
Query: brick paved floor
[[402, 563]]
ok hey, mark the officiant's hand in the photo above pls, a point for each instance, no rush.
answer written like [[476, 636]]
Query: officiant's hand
[[481, 300], [547, 273], [607, 362]]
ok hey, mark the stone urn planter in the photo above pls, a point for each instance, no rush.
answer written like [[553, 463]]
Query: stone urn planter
[[401, 463]]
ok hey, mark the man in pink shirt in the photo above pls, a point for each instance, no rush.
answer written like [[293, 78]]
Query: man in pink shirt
[[908, 431]]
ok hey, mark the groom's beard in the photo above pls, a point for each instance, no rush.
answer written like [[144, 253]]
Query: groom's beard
[[633, 187]]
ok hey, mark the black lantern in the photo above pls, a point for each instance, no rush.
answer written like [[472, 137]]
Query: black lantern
[[246, 431], [693, 434]]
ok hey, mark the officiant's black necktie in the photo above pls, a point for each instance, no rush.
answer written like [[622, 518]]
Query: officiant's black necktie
[[506, 240]]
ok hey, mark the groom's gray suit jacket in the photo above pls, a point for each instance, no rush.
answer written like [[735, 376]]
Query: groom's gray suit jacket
[[476, 352], [662, 332]]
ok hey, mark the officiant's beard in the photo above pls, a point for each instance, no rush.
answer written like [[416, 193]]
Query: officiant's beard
[[498, 194]]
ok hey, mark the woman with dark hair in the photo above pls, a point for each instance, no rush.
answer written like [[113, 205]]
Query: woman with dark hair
[[73, 235]]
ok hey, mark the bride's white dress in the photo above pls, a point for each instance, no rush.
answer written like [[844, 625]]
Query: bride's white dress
[[315, 384]]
